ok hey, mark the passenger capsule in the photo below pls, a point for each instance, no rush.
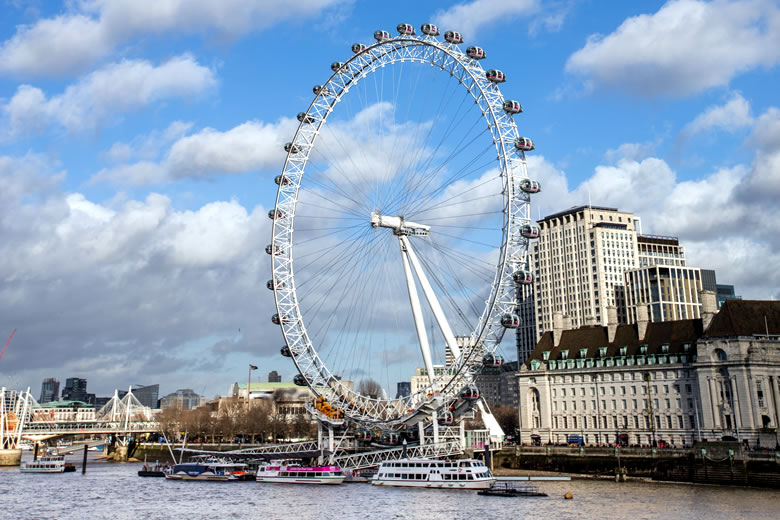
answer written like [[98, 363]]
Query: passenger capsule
[[358, 47], [271, 285], [524, 143], [390, 438], [495, 75], [529, 231], [470, 393], [285, 351], [271, 250], [405, 29], [492, 360], [303, 117], [321, 90], [276, 320], [275, 214], [510, 321], [364, 435], [299, 380], [512, 107], [281, 180], [338, 66], [429, 29], [292, 148], [381, 36], [530, 186], [476, 53], [446, 418], [453, 37], [523, 277]]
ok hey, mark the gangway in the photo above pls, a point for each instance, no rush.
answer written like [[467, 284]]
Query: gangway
[[79, 446], [372, 459]]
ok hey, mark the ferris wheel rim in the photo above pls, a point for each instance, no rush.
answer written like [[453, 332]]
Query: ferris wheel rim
[[317, 374]]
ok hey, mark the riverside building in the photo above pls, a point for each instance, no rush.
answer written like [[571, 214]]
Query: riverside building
[[649, 383]]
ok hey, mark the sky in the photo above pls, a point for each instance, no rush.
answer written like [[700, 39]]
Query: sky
[[139, 141]]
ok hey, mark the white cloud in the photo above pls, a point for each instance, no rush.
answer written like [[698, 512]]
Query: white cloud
[[686, 47], [469, 17], [127, 282], [631, 151], [114, 89], [92, 29], [249, 146], [730, 117]]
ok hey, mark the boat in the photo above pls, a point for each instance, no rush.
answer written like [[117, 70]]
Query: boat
[[505, 489], [158, 470], [47, 464], [209, 470], [281, 471], [428, 473]]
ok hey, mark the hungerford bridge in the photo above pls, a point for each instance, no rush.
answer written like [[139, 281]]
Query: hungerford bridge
[[22, 420]]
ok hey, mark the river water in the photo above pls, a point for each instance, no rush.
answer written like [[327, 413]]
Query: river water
[[114, 491]]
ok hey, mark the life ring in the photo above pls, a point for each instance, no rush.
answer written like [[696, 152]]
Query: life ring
[[460, 470]]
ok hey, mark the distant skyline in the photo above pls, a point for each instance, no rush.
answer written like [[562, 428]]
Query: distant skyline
[[139, 140]]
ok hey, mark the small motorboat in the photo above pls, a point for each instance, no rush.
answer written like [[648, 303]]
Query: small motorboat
[[506, 489]]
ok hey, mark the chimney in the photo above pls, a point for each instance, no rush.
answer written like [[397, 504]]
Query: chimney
[[566, 322], [590, 320], [557, 327], [611, 322], [709, 307], [642, 318]]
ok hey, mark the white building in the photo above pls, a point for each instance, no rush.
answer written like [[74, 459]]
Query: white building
[[676, 381], [579, 262]]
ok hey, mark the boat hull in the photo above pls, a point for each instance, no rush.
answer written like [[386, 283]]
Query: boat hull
[[303, 480], [472, 485]]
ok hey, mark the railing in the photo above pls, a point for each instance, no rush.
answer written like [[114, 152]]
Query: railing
[[374, 458], [89, 427], [290, 447]]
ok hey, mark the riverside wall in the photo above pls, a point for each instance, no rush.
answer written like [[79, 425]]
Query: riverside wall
[[713, 463]]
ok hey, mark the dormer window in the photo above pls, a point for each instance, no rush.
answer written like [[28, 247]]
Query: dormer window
[[665, 348], [564, 354], [583, 352], [546, 355], [602, 351], [643, 349], [686, 347], [623, 350]]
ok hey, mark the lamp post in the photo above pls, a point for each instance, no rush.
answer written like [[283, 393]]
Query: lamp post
[[249, 384]]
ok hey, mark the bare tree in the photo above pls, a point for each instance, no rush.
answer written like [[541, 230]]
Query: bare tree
[[369, 388], [507, 418]]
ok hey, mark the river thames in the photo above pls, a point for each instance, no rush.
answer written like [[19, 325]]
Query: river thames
[[114, 491]]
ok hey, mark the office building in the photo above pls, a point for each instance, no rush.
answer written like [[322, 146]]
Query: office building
[[148, 395], [674, 382], [579, 260], [403, 389], [274, 377], [725, 292], [659, 250], [709, 281], [50, 390], [670, 293], [184, 399], [76, 390], [526, 332]]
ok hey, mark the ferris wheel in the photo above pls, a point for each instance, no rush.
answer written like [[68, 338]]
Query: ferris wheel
[[418, 180]]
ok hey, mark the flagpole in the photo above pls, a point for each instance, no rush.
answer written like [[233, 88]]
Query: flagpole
[[248, 386]]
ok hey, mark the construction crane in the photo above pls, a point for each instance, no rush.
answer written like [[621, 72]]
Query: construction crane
[[7, 343]]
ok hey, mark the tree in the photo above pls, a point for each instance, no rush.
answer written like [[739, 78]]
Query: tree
[[507, 418], [369, 388]]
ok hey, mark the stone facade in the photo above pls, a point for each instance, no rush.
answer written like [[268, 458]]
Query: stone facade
[[668, 382]]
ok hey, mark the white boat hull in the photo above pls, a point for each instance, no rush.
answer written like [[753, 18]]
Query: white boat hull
[[475, 484], [302, 480]]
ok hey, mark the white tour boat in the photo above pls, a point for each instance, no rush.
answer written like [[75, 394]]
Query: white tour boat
[[47, 464], [292, 473], [456, 474]]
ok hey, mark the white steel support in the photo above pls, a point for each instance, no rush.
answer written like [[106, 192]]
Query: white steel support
[[435, 419], [449, 337], [414, 299]]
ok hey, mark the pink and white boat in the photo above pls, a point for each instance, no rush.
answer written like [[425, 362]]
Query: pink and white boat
[[293, 473]]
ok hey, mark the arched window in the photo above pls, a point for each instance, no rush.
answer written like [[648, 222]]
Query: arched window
[[719, 355]]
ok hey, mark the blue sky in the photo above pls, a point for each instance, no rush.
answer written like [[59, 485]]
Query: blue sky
[[139, 140]]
